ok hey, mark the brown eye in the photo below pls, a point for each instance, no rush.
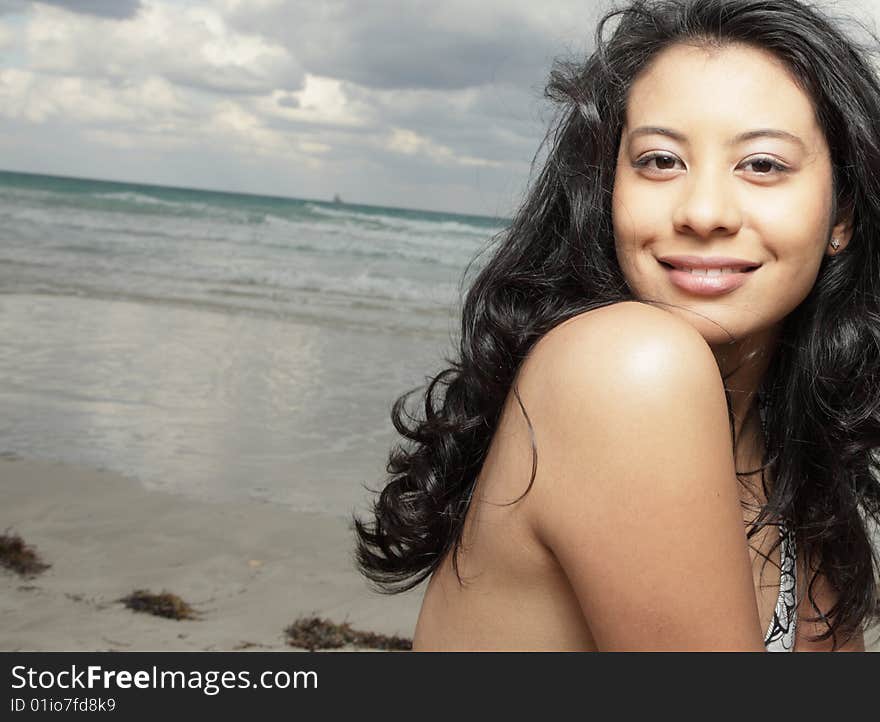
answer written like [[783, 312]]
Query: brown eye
[[762, 165], [664, 161]]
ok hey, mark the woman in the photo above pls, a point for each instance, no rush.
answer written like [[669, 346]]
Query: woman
[[659, 432]]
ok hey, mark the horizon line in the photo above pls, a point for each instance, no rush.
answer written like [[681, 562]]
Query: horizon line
[[330, 202]]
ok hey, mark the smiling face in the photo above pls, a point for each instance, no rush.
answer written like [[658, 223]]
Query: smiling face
[[695, 187]]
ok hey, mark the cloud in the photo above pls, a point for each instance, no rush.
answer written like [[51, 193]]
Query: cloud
[[323, 102], [7, 37], [152, 104], [418, 43], [190, 46], [116, 9], [382, 102], [287, 101], [12, 6], [408, 142], [496, 123]]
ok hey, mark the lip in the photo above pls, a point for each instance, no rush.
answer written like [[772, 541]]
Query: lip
[[706, 285], [708, 262]]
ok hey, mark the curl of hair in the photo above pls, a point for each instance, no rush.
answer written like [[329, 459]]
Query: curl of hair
[[557, 259]]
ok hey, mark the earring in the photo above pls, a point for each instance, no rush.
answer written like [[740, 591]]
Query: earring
[[835, 244]]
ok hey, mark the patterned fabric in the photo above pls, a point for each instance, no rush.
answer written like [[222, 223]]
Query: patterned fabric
[[781, 632]]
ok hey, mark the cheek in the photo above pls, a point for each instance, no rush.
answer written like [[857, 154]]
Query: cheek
[[636, 220], [640, 211], [802, 263], [796, 232], [794, 266], [798, 214], [624, 233]]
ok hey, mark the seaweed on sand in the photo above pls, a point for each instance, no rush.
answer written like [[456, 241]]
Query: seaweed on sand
[[21, 558], [313, 633], [165, 604]]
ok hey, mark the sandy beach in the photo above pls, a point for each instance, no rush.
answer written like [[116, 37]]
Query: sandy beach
[[250, 569]]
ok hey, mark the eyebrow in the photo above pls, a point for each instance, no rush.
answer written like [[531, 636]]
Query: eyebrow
[[740, 138]]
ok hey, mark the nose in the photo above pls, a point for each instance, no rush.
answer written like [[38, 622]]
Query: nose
[[707, 207]]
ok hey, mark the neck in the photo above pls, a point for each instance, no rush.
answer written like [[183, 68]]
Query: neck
[[743, 365]]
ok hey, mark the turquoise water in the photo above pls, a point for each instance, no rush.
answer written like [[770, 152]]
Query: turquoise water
[[277, 256], [220, 345]]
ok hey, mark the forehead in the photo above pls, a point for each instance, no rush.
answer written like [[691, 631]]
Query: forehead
[[722, 90]]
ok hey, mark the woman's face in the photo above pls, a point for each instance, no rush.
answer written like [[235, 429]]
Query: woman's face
[[722, 171]]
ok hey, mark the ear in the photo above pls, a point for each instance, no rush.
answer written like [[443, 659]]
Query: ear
[[842, 232]]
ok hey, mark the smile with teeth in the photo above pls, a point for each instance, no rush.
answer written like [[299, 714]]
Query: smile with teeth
[[707, 281], [697, 271], [709, 271]]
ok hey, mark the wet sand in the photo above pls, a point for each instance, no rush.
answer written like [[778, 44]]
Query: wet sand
[[249, 568]]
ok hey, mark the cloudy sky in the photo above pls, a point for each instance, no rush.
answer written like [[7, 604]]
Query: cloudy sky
[[415, 104]]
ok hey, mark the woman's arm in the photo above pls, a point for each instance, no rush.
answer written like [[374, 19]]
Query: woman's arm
[[636, 493]]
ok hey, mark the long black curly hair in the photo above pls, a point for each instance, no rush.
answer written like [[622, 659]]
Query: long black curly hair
[[821, 393]]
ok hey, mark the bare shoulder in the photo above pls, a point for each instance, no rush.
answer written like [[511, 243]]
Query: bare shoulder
[[624, 377], [626, 352], [635, 492]]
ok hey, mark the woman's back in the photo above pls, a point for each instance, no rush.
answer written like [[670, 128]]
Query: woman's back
[[632, 536]]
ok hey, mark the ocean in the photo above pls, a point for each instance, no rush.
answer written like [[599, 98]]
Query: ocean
[[221, 345]]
